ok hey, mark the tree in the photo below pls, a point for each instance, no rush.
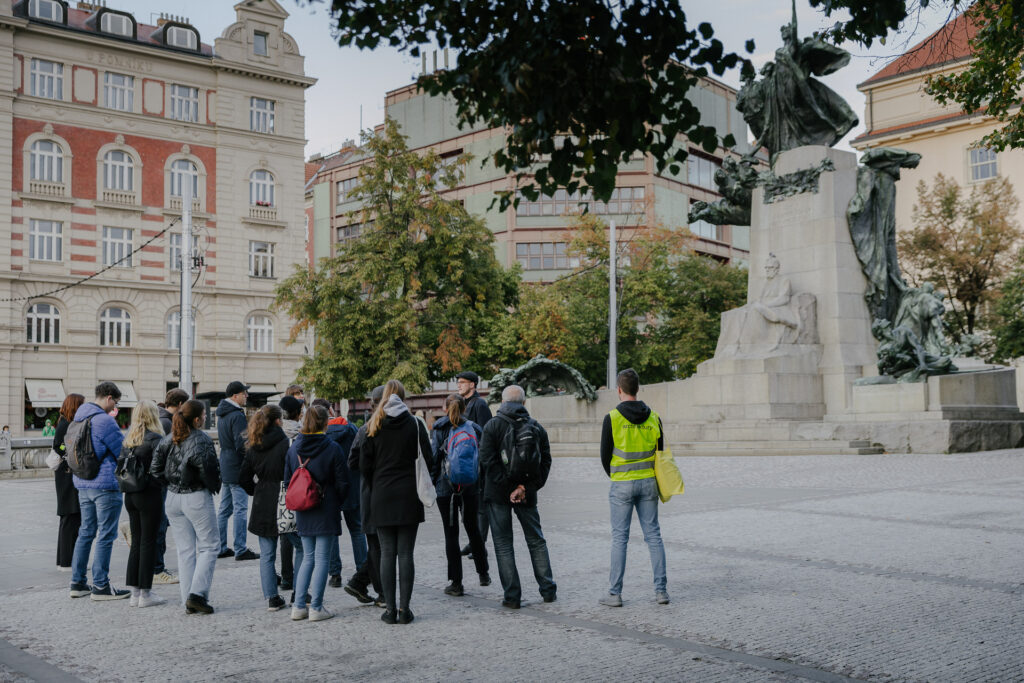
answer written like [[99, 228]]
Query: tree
[[1008, 316], [409, 297], [962, 243]]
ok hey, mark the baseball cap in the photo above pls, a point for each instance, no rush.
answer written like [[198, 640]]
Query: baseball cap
[[236, 387]]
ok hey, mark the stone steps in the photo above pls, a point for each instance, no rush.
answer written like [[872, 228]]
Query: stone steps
[[782, 447]]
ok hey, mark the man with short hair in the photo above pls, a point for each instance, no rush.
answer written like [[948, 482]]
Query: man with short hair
[[630, 438], [173, 401], [231, 428], [479, 412], [506, 492], [99, 499]]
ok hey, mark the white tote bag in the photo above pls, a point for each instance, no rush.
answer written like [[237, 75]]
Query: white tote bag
[[424, 487]]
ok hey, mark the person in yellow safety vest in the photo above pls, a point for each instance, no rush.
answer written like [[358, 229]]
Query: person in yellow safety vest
[[630, 437]]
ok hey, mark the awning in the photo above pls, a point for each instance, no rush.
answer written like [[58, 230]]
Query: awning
[[263, 389], [45, 393], [128, 397]]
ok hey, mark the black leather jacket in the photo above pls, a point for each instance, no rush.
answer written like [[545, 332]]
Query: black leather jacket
[[189, 466]]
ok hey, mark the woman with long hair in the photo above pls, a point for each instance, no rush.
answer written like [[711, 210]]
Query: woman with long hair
[[388, 461], [145, 508], [186, 461], [265, 450], [449, 429], [323, 460], [67, 495]]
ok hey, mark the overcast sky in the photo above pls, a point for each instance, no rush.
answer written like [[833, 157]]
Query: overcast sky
[[350, 79]]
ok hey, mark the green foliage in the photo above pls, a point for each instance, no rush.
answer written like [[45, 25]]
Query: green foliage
[[1008, 316], [407, 298]]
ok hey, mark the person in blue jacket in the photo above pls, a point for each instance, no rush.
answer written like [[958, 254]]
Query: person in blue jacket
[[316, 527], [234, 502], [99, 499]]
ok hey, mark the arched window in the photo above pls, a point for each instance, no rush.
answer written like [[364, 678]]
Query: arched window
[[174, 330], [46, 162], [261, 188], [43, 324], [260, 333], [181, 171], [115, 327], [118, 171]]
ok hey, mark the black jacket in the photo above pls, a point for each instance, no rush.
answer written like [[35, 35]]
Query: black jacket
[[342, 433], [388, 461], [498, 486], [231, 425], [266, 462], [324, 462], [166, 420], [439, 448], [189, 466], [67, 494], [636, 412], [364, 484], [144, 452], [477, 410]]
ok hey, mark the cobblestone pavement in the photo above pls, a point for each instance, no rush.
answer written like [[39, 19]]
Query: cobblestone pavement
[[824, 568]]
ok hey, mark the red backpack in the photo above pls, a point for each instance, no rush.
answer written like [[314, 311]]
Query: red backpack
[[303, 491]]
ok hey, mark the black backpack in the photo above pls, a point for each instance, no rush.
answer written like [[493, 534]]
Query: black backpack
[[79, 452], [520, 449], [130, 472]]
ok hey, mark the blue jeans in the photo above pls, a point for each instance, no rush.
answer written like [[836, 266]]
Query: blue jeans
[[233, 501], [311, 575], [358, 538], [161, 535], [101, 511], [268, 555], [500, 517], [624, 496], [194, 525]]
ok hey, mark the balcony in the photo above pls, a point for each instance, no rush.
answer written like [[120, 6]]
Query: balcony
[[176, 204], [45, 188], [263, 213], [119, 197]]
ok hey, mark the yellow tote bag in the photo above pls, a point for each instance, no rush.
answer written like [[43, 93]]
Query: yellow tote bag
[[670, 481]]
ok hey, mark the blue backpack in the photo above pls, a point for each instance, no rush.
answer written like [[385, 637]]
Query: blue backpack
[[463, 455]]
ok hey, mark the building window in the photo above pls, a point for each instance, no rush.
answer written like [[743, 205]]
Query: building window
[[49, 10], [983, 164], [117, 247], [261, 115], [261, 188], [701, 172], [346, 189], [181, 171], [184, 103], [118, 91], [260, 333], [43, 324], [175, 250], [259, 44], [545, 256], [179, 36], [624, 200], [704, 229], [118, 171], [348, 232], [261, 259], [117, 24], [44, 240], [174, 330], [46, 79], [115, 327], [46, 161]]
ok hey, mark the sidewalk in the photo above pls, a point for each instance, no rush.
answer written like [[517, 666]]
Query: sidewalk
[[824, 568]]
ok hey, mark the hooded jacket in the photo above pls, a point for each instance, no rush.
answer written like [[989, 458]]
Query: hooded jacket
[[328, 469], [106, 442], [166, 420], [266, 461], [388, 461], [439, 447], [342, 433], [189, 466], [636, 412], [498, 486], [231, 425], [354, 455]]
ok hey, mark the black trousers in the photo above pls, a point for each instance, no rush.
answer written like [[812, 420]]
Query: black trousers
[[67, 534], [145, 511], [287, 559], [397, 542], [449, 506], [369, 573]]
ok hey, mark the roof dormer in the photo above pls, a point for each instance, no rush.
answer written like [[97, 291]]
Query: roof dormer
[[113, 23], [53, 11], [177, 35]]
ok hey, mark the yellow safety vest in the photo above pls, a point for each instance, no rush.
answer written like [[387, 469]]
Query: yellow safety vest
[[634, 447]]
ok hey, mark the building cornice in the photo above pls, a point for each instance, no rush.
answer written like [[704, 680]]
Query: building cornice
[[263, 74]]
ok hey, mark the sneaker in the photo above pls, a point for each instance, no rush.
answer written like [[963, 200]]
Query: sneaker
[[197, 604], [611, 600], [225, 553], [275, 603], [126, 532], [322, 614], [405, 616], [80, 590], [662, 597], [454, 589], [151, 600], [389, 617], [511, 604], [485, 579], [299, 614], [133, 599], [379, 602], [63, 569], [108, 592], [246, 555], [550, 597], [165, 577], [334, 581], [358, 593]]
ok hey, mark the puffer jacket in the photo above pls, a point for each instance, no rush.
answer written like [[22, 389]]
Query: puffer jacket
[[439, 446], [144, 452], [189, 466], [231, 426], [106, 442], [266, 461]]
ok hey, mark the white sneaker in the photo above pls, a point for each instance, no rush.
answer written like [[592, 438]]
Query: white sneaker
[[126, 532], [322, 614], [611, 600], [133, 600], [151, 600], [165, 577], [299, 614]]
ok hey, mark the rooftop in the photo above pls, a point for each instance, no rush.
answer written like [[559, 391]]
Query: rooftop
[[949, 44]]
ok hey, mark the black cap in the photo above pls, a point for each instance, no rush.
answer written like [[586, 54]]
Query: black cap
[[290, 405], [236, 387], [469, 375]]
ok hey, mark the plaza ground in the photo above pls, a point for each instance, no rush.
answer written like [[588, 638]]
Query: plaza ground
[[823, 568]]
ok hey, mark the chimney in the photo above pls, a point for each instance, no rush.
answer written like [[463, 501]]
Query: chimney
[[162, 19]]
